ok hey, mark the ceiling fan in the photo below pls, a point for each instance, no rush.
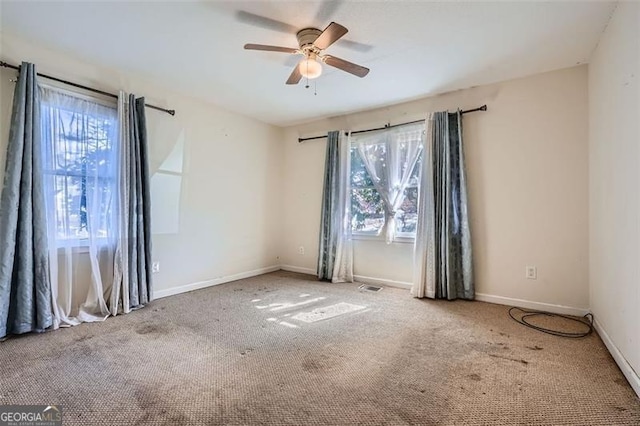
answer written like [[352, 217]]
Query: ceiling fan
[[312, 42]]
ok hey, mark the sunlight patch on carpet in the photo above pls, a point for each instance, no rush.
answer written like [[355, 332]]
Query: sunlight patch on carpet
[[327, 312], [282, 306]]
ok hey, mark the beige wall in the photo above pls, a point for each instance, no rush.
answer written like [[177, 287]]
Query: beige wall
[[527, 176], [527, 173], [216, 175], [614, 182]]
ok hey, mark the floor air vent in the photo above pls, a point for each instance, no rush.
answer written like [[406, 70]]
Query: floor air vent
[[366, 287]]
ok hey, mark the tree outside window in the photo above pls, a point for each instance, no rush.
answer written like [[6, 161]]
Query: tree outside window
[[367, 207]]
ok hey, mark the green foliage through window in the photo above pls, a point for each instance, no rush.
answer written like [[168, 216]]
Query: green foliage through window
[[367, 207]]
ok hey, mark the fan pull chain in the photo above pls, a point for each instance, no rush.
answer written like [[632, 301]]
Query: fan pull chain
[[315, 82], [307, 76]]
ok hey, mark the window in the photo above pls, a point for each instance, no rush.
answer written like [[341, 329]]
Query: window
[[367, 208], [79, 137], [403, 147]]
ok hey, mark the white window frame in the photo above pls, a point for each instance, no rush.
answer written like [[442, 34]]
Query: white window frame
[[400, 237], [79, 245]]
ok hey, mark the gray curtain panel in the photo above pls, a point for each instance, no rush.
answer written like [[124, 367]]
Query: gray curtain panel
[[329, 223], [139, 229], [25, 287], [453, 261]]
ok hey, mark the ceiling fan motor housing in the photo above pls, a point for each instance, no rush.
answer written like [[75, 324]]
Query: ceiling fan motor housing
[[306, 37]]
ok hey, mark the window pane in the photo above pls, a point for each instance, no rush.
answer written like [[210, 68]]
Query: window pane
[[70, 216], [80, 157], [102, 206], [74, 200], [81, 143], [376, 157], [414, 180], [359, 175], [407, 216], [366, 210], [366, 204]]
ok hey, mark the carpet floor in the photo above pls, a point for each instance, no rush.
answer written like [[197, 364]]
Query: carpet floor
[[283, 348]]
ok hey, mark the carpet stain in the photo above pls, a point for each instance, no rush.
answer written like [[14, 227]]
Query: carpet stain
[[152, 328], [475, 377], [534, 348], [318, 364], [85, 351], [157, 411], [406, 417], [312, 365], [621, 381], [83, 338], [522, 361]]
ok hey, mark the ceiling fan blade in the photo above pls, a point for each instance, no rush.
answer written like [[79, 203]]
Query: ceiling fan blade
[[268, 48], [295, 76], [347, 66], [330, 35], [264, 22]]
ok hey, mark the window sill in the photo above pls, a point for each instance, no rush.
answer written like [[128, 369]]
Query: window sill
[[399, 239], [74, 248], [80, 246]]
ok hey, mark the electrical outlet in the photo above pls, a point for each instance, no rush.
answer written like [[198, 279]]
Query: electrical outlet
[[301, 250], [155, 267], [531, 273]]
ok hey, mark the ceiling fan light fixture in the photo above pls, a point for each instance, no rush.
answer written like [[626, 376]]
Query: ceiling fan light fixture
[[310, 68], [312, 42]]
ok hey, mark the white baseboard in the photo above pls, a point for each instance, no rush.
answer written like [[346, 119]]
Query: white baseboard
[[298, 269], [528, 304], [382, 281], [158, 294], [624, 365]]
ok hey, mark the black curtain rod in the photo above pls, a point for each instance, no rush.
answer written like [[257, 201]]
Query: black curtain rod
[[389, 126], [80, 86]]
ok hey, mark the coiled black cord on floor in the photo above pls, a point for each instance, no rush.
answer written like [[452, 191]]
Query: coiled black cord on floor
[[586, 320]]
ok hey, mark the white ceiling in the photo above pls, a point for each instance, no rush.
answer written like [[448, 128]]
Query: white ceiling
[[417, 48]]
